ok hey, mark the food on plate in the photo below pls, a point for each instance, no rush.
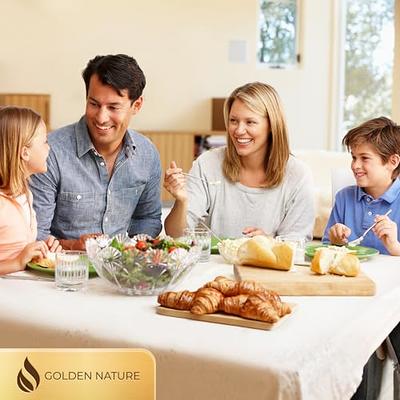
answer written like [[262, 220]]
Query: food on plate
[[228, 248], [45, 262], [260, 304], [263, 251], [335, 260]]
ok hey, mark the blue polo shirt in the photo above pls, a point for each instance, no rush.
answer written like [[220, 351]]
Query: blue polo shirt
[[357, 210]]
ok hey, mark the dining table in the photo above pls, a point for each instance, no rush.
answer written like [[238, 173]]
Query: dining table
[[317, 352]]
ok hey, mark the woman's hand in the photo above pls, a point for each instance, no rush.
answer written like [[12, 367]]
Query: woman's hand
[[174, 182], [35, 249], [386, 230], [339, 233], [251, 231], [53, 244]]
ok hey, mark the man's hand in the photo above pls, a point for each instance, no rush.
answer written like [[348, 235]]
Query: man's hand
[[339, 233], [78, 244], [53, 244]]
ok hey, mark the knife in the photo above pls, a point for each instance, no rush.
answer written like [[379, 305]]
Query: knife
[[26, 278]]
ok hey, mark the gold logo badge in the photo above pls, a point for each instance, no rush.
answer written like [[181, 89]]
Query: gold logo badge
[[101, 374], [29, 379]]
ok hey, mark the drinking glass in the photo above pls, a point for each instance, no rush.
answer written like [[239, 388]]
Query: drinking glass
[[72, 270], [298, 244], [202, 238]]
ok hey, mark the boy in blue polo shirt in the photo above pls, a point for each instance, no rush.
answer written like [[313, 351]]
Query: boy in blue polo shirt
[[375, 150]]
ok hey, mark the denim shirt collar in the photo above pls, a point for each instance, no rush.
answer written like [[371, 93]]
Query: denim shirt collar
[[389, 196], [84, 143]]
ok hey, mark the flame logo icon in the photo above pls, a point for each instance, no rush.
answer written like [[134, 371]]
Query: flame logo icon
[[25, 382]]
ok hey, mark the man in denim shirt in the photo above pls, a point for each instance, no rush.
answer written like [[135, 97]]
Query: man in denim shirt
[[102, 177]]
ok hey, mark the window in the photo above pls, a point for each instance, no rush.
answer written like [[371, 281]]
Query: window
[[278, 33], [368, 61]]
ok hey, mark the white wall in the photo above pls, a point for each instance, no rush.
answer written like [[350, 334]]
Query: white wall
[[182, 46]]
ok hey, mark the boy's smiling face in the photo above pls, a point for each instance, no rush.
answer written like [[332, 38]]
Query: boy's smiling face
[[371, 172]]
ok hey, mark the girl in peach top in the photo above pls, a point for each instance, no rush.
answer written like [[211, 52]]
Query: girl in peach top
[[24, 150]]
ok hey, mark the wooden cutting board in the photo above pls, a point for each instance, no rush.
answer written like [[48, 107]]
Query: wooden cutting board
[[300, 281], [221, 318]]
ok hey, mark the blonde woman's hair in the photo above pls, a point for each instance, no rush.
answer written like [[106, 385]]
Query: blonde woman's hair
[[263, 100], [18, 126]]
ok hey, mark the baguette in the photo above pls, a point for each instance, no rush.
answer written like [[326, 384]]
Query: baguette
[[335, 260], [263, 251]]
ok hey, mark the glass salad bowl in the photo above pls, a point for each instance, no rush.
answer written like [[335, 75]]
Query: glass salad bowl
[[141, 265]]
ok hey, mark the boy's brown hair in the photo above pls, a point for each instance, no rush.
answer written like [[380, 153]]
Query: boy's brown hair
[[381, 133]]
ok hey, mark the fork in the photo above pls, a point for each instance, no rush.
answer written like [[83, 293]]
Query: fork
[[357, 241], [202, 179]]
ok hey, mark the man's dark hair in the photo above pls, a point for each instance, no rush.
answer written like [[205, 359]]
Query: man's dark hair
[[119, 71]]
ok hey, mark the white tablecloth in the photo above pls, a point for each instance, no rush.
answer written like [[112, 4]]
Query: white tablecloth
[[317, 353]]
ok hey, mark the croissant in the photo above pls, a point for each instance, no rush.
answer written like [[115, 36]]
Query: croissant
[[248, 287], [233, 304], [226, 286], [178, 300], [229, 287], [254, 308], [272, 299], [206, 301]]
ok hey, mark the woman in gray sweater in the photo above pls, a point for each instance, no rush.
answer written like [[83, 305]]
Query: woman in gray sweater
[[253, 185]]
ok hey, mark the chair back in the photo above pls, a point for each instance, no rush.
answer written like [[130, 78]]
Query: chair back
[[340, 178]]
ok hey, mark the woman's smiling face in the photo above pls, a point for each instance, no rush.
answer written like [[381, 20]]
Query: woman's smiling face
[[248, 130]]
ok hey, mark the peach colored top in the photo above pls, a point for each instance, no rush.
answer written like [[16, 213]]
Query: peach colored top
[[15, 231]]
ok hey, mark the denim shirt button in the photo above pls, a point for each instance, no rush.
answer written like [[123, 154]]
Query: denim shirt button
[[102, 163], [78, 197], [369, 213], [105, 219]]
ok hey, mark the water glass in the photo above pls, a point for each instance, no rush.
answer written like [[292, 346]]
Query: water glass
[[200, 237], [298, 244], [72, 270]]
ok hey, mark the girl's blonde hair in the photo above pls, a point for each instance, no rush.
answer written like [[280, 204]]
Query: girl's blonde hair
[[18, 126], [263, 100]]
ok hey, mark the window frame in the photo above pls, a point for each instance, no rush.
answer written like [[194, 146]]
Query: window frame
[[298, 42]]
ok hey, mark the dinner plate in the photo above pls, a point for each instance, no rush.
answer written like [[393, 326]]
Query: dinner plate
[[214, 247], [360, 251], [50, 271]]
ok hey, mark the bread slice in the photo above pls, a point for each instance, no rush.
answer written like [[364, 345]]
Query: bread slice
[[335, 261], [263, 251], [48, 262]]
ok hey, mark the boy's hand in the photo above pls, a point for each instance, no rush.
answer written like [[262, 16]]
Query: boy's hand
[[386, 230], [339, 233]]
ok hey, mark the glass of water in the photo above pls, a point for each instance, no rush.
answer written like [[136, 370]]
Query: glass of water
[[72, 270], [200, 237], [297, 242]]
